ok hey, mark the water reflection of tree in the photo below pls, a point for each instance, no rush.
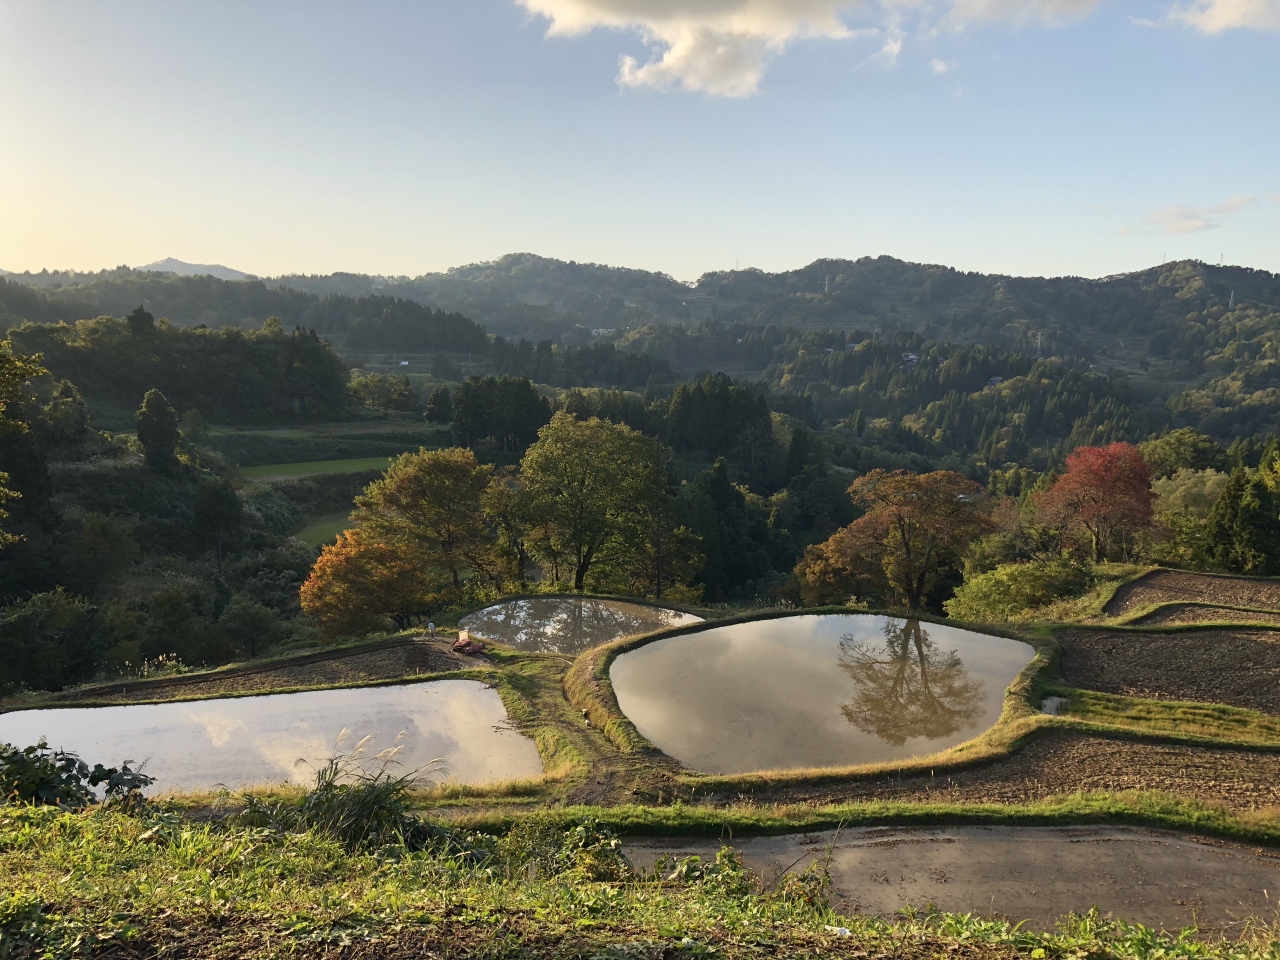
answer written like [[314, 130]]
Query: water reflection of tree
[[907, 687]]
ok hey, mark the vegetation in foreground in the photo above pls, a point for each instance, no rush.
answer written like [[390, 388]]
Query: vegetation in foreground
[[111, 883]]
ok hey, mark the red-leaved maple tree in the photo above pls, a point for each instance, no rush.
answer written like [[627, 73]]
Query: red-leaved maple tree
[[1105, 493]]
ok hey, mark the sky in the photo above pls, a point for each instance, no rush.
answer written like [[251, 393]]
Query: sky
[[1029, 137]]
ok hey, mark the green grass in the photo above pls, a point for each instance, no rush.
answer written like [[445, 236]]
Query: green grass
[[324, 529], [106, 884], [313, 468], [1209, 720]]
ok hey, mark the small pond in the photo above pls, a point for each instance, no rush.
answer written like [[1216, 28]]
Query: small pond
[[815, 691], [568, 624], [241, 741]]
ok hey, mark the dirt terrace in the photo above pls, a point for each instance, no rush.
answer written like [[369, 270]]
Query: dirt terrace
[[384, 661], [1240, 668], [1181, 613], [1166, 586], [1064, 762]]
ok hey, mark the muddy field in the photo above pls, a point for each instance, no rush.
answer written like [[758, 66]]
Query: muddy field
[[1179, 613], [1064, 762], [1240, 668], [383, 662], [1168, 586], [1036, 874]]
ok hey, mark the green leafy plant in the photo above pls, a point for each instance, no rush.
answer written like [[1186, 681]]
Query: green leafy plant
[[39, 775]]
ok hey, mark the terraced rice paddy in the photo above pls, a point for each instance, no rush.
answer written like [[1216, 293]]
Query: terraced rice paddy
[[452, 730]]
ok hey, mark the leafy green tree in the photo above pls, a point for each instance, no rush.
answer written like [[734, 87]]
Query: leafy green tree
[[1244, 526], [15, 371], [1184, 449], [140, 322], [506, 508], [735, 541], [584, 481], [508, 410], [157, 424], [427, 507], [440, 406], [217, 511], [249, 626]]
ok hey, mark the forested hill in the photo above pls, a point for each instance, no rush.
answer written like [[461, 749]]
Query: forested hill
[[205, 300]]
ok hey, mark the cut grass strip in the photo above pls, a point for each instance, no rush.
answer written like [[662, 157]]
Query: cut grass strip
[[314, 468], [1209, 720]]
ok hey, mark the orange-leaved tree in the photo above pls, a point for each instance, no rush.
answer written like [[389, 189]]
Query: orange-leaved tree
[[914, 528], [359, 583], [1105, 495]]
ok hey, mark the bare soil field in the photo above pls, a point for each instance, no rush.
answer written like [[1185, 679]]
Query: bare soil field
[[1165, 586], [1180, 613], [1240, 668], [1156, 878], [1064, 762], [377, 662]]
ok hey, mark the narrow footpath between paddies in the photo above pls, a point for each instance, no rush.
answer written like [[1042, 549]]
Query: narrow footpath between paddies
[[1156, 878]]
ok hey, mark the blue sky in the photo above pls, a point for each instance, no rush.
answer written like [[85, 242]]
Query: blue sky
[[1014, 136]]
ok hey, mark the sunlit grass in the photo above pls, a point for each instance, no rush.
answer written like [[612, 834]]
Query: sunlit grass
[[313, 468], [1210, 720]]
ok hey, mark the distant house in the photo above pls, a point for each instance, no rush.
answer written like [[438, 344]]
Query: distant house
[[995, 381], [910, 359], [604, 331]]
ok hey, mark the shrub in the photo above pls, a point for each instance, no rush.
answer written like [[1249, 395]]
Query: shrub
[[1012, 590], [40, 776]]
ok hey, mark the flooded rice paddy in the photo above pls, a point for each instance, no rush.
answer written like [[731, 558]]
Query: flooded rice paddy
[[568, 625], [202, 744], [815, 691]]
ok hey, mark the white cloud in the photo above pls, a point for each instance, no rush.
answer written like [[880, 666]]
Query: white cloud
[[886, 56], [941, 66], [1182, 219], [720, 47], [724, 47], [1216, 16]]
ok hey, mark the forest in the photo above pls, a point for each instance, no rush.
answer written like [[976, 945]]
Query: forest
[[816, 464]]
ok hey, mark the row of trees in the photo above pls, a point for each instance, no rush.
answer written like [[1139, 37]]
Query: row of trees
[[591, 505]]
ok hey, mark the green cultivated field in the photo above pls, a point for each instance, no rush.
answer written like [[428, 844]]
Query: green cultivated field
[[324, 529], [313, 468]]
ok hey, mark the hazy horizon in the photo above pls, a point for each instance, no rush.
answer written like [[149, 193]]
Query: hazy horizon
[[250, 275]]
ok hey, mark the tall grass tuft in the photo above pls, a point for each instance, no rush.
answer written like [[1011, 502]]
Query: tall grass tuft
[[360, 803]]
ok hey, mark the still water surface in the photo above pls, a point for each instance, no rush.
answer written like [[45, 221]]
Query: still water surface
[[568, 625], [815, 691], [249, 740]]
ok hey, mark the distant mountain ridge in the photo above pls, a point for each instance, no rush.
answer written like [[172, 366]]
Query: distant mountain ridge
[[183, 269]]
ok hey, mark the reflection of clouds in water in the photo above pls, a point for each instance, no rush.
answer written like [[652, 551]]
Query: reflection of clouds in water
[[567, 625], [251, 740], [218, 727], [769, 694]]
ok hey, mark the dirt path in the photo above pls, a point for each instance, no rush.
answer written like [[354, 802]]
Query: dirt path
[[1165, 586], [1240, 668], [1064, 762], [1026, 873], [1175, 613]]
